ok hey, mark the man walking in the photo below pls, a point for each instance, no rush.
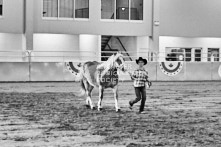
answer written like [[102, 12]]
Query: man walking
[[140, 77]]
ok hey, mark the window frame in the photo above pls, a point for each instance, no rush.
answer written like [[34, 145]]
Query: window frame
[[195, 54], [122, 20], [192, 53], [1, 16], [219, 54], [64, 18]]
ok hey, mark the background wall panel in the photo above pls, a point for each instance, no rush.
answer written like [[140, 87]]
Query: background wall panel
[[57, 71], [190, 18], [215, 67], [12, 20], [14, 71], [47, 71], [198, 71]]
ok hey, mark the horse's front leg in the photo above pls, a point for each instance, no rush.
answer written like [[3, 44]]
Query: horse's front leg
[[115, 90], [101, 93]]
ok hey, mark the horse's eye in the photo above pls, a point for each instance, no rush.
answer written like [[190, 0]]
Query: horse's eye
[[119, 61]]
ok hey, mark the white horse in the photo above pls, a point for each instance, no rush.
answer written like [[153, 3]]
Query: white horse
[[102, 75]]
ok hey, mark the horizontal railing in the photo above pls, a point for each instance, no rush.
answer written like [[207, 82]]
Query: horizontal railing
[[15, 55]]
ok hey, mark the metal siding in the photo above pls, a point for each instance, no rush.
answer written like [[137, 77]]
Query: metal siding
[[214, 71], [18, 71], [57, 71], [47, 71], [198, 71]]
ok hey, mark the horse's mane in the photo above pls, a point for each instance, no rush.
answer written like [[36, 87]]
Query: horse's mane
[[109, 63]]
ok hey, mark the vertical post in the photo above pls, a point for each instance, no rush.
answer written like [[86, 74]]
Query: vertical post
[[29, 23], [28, 53], [154, 39], [99, 51], [204, 54], [192, 54], [28, 29]]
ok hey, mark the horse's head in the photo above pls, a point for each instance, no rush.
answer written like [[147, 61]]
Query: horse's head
[[119, 61]]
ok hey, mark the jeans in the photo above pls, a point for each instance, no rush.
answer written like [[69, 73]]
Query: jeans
[[141, 95]]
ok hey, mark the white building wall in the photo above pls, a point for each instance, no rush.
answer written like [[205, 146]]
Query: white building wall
[[13, 17], [12, 47], [190, 18], [56, 42], [9, 42], [65, 47], [89, 47], [143, 47]]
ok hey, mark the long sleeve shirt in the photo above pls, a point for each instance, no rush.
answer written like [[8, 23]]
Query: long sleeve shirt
[[140, 76]]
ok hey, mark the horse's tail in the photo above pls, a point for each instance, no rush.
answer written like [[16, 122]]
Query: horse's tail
[[76, 71]]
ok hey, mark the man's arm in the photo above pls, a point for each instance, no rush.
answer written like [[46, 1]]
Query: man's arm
[[132, 76], [148, 82]]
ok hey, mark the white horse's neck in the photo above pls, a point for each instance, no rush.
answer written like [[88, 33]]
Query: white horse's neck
[[107, 64]]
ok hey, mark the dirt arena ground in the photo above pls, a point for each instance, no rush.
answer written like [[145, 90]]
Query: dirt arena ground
[[179, 114]]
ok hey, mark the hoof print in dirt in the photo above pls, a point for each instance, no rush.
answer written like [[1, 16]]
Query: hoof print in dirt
[[20, 139], [135, 145], [87, 106]]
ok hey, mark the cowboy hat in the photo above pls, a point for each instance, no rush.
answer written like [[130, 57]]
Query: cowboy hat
[[141, 59]]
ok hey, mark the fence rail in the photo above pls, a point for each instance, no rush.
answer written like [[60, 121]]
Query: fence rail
[[15, 55]]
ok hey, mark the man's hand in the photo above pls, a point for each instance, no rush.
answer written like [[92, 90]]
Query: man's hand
[[149, 84], [131, 75]]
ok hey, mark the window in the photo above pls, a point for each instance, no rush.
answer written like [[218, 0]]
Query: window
[[213, 54], [187, 54], [66, 8], [50, 8], [174, 54], [198, 55], [1, 7], [122, 9], [107, 9], [184, 54], [136, 12], [82, 9]]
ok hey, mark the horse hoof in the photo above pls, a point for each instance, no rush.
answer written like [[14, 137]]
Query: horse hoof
[[100, 109], [93, 108], [118, 110]]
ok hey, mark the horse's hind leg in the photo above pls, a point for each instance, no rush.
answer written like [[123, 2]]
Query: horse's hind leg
[[89, 89], [115, 90], [101, 92]]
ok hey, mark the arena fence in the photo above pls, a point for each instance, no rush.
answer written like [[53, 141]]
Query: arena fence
[[51, 66], [158, 71], [82, 56]]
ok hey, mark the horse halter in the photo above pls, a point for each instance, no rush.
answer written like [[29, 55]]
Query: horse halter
[[121, 64]]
